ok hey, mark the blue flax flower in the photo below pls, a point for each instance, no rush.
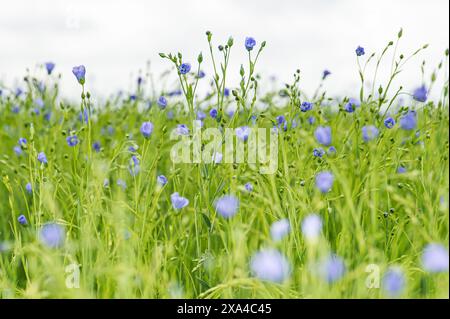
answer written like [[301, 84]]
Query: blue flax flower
[[178, 202], [323, 135], [249, 43], [324, 181], [80, 73], [270, 265], [227, 206], [360, 51], [147, 129]]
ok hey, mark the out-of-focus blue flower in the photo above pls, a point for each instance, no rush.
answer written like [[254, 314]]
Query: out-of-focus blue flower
[[47, 116], [96, 146], [39, 102], [243, 132], [133, 97], [41, 87], [15, 109], [360, 51], [161, 180], [311, 227], [270, 265], [83, 116], [182, 129], [394, 281], [408, 121], [52, 235], [227, 206], [324, 181], [22, 141], [351, 105], [389, 122], [18, 150], [318, 152], [18, 92], [42, 158], [279, 229], [213, 113], [72, 140], [311, 120], [435, 258], [325, 74], [80, 73], [201, 74], [49, 66], [332, 268], [178, 202], [401, 170], [420, 94], [249, 187], [132, 149], [29, 188], [217, 157], [249, 43], [147, 129], [201, 115], [323, 135], [369, 132], [121, 183], [174, 93], [134, 166], [184, 68], [162, 102], [280, 119], [22, 220], [306, 106], [226, 92], [294, 123], [332, 150]]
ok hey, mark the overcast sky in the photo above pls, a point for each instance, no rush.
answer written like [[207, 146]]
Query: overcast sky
[[114, 39]]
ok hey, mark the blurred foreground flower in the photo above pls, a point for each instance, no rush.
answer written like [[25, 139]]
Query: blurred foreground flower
[[52, 235], [435, 258], [323, 135], [324, 181], [270, 265], [369, 132], [227, 206], [394, 281], [408, 121], [311, 227], [332, 268], [420, 94], [279, 229]]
